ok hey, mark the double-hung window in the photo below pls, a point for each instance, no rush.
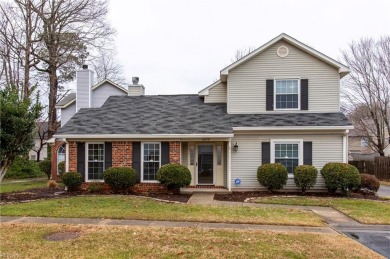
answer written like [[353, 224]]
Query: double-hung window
[[151, 161], [287, 153], [286, 94], [95, 161]]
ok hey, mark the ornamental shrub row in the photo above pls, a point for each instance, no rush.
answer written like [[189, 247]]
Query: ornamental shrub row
[[340, 176]]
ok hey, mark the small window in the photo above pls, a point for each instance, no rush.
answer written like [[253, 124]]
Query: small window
[[363, 142], [33, 157], [287, 153], [219, 155], [192, 155], [287, 94], [95, 158]]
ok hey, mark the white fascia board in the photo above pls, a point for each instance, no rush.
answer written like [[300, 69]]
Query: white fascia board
[[111, 83], [145, 136], [205, 91], [65, 105], [294, 128], [343, 70]]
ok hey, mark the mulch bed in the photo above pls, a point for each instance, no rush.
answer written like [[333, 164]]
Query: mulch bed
[[242, 196], [47, 193], [33, 194]]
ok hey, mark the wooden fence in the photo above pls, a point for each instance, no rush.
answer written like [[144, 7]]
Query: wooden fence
[[380, 167]]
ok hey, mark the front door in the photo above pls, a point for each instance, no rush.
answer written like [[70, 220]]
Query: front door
[[205, 164]]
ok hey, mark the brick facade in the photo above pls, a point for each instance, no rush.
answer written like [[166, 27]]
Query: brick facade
[[174, 152], [54, 151], [72, 156], [122, 154]]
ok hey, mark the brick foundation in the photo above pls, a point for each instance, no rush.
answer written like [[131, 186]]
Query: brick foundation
[[174, 152]]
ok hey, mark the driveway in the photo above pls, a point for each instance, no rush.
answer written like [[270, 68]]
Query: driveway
[[384, 191]]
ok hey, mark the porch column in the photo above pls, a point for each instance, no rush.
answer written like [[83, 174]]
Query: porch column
[[229, 163]]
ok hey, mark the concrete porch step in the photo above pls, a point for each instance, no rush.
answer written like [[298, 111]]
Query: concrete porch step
[[203, 190]]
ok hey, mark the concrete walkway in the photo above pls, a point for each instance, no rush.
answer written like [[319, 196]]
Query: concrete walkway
[[384, 191], [201, 198], [202, 225]]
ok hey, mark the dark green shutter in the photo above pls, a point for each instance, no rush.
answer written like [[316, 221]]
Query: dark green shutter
[[269, 94], [137, 159], [265, 153], [305, 94], [164, 153], [81, 159], [307, 153], [107, 155]]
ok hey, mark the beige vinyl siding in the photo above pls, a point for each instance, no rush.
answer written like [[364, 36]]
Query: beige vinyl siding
[[245, 161], [217, 94], [101, 94], [67, 113], [246, 83]]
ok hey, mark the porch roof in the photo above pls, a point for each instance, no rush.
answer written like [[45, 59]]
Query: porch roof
[[182, 114]]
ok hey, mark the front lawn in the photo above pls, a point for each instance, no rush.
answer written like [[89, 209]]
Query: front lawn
[[364, 211], [27, 241], [22, 185], [128, 207]]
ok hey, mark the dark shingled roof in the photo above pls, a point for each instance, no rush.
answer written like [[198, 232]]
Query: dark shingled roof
[[181, 114], [66, 99]]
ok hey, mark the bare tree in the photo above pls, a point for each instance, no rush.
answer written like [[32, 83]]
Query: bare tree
[[366, 91], [106, 66], [240, 53]]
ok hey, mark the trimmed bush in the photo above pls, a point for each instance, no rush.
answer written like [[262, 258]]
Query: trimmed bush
[[174, 175], [72, 180], [272, 176], [45, 166], [305, 177], [23, 168], [340, 175], [370, 182], [120, 178]]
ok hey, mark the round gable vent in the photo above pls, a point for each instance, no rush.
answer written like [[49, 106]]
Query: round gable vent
[[282, 51]]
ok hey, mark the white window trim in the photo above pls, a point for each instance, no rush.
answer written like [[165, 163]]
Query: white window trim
[[86, 160], [142, 162], [288, 141], [299, 94]]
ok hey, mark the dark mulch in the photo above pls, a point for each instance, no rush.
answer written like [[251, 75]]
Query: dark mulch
[[32, 194], [47, 193], [241, 196]]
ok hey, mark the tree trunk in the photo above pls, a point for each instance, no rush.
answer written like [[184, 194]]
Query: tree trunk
[[4, 169], [52, 123]]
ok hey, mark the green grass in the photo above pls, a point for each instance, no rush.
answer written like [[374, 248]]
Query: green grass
[[364, 211], [127, 207], [22, 185], [27, 241]]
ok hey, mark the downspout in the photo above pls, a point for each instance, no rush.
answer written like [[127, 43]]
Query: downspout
[[66, 156], [345, 147]]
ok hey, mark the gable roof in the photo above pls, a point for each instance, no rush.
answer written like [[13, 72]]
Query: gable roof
[[343, 70], [71, 97], [127, 116], [205, 91]]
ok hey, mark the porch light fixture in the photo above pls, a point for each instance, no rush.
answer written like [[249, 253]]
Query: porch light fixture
[[235, 147]]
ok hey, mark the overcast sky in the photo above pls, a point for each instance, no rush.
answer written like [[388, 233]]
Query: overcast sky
[[178, 47]]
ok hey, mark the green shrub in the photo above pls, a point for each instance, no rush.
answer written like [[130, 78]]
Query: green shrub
[[174, 175], [72, 180], [61, 168], [23, 168], [45, 166], [305, 177], [340, 175], [272, 176], [120, 178], [370, 182], [95, 188]]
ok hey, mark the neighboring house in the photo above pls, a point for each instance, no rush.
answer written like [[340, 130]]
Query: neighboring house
[[39, 151], [387, 150], [359, 149], [280, 103]]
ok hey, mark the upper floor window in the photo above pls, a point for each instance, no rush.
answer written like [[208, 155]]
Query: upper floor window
[[286, 94], [363, 142]]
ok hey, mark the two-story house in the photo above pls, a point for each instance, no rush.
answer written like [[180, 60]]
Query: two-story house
[[280, 103]]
